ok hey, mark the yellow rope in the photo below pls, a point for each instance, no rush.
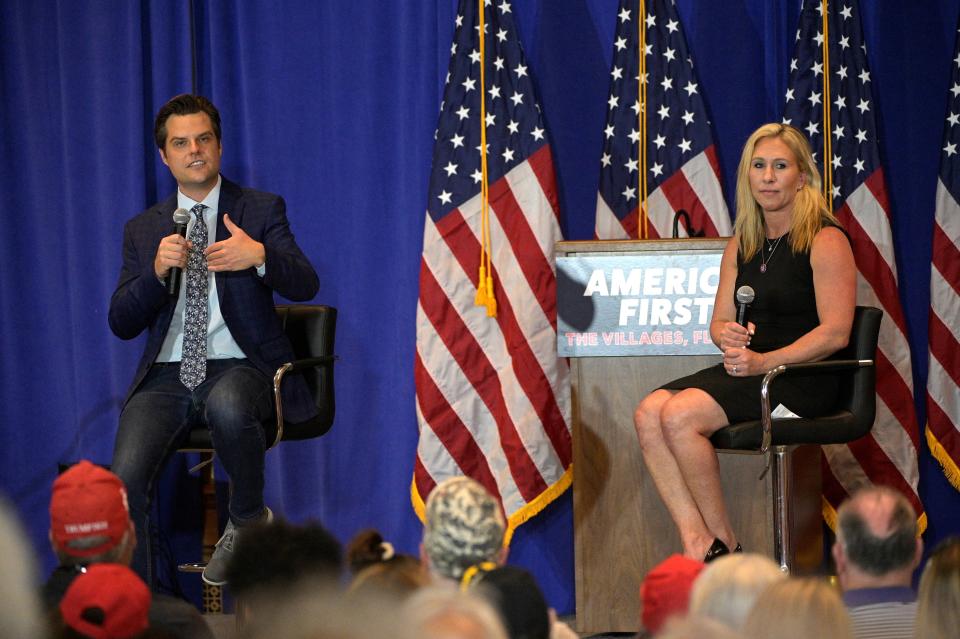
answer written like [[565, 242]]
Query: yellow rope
[[481, 297], [827, 142], [642, 229], [485, 296], [471, 573]]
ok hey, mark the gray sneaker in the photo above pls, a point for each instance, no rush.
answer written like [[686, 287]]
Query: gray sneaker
[[215, 572]]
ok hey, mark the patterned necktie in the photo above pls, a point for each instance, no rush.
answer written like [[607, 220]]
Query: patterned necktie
[[193, 359]]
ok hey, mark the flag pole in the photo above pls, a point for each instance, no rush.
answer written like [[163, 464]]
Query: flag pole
[[485, 296], [642, 229], [827, 143]]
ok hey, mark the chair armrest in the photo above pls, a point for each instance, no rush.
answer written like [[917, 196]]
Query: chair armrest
[[278, 377], [825, 366], [311, 362]]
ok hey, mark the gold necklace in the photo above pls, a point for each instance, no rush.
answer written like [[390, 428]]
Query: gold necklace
[[771, 247]]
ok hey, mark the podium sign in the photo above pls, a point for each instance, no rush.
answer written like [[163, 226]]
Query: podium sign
[[646, 304]]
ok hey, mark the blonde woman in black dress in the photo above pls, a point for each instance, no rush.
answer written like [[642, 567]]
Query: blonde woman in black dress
[[790, 249]]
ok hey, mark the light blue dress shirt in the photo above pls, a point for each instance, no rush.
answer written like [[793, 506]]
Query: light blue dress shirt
[[220, 343]]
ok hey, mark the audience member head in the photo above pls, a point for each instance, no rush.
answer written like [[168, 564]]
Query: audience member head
[[89, 517], [696, 627], [20, 610], [303, 613], [799, 609], [464, 527], [379, 570], [444, 613], [665, 590], [515, 596], [727, 589], [938, 603], [272, 559], [106, 601], [877, 543]]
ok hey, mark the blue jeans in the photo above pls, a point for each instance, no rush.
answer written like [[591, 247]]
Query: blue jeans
[[234, 402]]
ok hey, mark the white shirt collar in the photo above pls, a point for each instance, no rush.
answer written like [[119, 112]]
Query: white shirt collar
[[211, 201]]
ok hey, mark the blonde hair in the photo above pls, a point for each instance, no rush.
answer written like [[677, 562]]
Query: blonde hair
[[728, 587], [938, 602], [437, 612], [21, 612], [694, 626], [313, 610], [810, 209], [798, 609]]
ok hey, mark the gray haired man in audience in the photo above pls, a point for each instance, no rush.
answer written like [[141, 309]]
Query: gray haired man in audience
[[464, 527], [876, 552]]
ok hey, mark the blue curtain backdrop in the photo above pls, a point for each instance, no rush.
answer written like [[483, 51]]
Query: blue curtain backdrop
[[333, 105]]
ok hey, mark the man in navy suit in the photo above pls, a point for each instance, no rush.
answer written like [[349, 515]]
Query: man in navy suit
[[251, 253]]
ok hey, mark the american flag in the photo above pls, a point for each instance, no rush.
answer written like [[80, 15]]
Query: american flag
[[682, 169], [492, 396], [859, 194], [943, 375]]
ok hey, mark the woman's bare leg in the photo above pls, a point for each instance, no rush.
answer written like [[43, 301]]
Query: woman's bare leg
[[688, 419], [694, 533]]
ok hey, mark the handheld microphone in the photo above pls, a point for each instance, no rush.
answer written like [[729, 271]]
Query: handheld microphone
[[745, 297], [181, 217]]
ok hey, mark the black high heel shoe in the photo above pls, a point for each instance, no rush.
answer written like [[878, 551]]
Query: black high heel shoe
[[719, 549]]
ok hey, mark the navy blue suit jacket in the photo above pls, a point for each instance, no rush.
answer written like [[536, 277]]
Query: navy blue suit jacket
[[140, 301]]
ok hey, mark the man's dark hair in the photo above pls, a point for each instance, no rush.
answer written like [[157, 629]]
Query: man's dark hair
[[880, 555], [514, 594], [184, 104], [279, 555]]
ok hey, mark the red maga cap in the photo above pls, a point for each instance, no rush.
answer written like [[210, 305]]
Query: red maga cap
[[108, 601], [666, 590], [88, 505]]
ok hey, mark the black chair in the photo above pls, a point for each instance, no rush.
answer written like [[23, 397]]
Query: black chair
[[775, 437], [311, 330]]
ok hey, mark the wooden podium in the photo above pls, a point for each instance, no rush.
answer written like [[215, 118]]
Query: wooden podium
[[621, 528]]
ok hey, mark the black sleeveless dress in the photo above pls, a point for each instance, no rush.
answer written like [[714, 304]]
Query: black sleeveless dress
[[784, 309]]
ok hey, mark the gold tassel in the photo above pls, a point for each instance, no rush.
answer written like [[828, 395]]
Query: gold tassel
[[481, 297], [491, 300]]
